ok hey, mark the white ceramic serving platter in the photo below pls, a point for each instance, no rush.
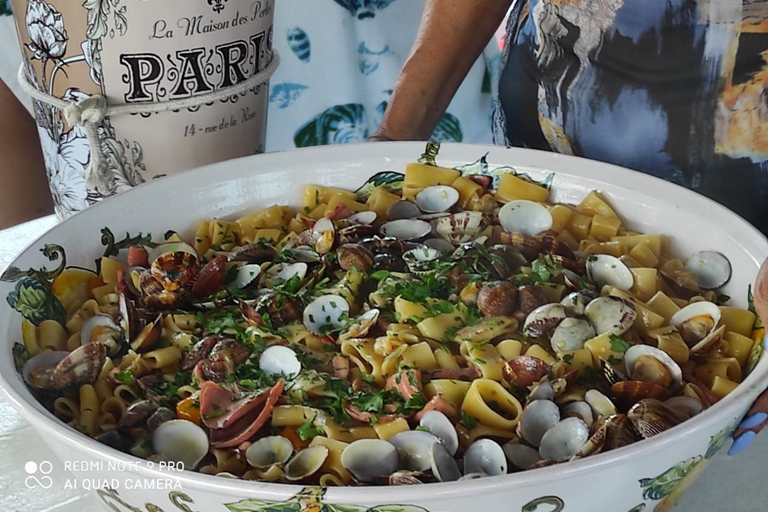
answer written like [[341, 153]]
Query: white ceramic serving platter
[[648, 475]]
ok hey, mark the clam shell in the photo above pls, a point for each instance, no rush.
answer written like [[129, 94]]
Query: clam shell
[[82, 366], [38, 370], [542, 391], [523, 216], [521, 456], [368, 459], [571, 334], [685, 406], [414, 449], [607, 270], [355, 255], [524, 370], [543, 319], [148, 336], [579, 409], [601, 405], [247, 274], [280, 360], [306, 463], [94, 329], [361, 325], [614, 432], [326, 312], [437, 198], [629, 392], [444, 466], [610, 314], [564, 440], [712, 269], [537, 418], [651, 417], [402, 210], [697, 323], [439, 244], [180, 441], [485, 457], [441, 427], [406, 229], [634, 352], [170, 248], [575, 303], [367, 218], [461, 228], [269, 451], [418, 259]]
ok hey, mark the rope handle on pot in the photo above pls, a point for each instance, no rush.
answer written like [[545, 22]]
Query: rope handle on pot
[[90, 112]]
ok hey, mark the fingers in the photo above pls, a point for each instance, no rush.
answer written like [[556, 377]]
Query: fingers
[[755, 421]]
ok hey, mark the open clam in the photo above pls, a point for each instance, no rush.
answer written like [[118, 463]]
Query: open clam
[[326, 313], [685, 406], [575, 303], [628, 392], [355, 256], [697, 323], [543, 320], [368, 459], [323, 235], [601, 405], [521, 456], [571, 334], [437, 198], [366, 218], [649, 364], [180, 441], [414, 449], [523, 216], [58, 371], [102, 329], [441, 427], [420, 258], [306, 463], [604, 269], [171, 248], [247, 274], [444, 466], [651, 417], [524, 371], [610, 314], [280, 360], [712, 269], [485, 457]]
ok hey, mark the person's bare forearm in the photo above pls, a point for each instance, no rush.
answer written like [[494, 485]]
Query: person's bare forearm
[[452, 36], [25, 194]]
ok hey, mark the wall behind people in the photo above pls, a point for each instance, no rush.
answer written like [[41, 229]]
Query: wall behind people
[[340, 61]]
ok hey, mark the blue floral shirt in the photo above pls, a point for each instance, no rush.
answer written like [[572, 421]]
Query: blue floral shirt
[[340, 61]]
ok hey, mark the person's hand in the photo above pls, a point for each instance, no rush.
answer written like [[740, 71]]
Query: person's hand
[[757, 416]]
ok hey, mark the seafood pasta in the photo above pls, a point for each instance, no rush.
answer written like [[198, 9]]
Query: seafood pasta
[[432, 326]]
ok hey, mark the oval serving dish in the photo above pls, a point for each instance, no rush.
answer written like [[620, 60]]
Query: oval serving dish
[[649, 475]]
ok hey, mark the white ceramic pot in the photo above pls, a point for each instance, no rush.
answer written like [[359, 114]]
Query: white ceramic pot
[[648, 475]]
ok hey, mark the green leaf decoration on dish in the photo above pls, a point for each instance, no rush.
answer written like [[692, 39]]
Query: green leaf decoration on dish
[[758, 348], [662, 485], [254, 505], [113, 248], [341, 124], [718, 440], [430, 153], [392, 181], [5, 7], [477, 167], [51, 251], [448, 129], [35, 302], [397, 508]]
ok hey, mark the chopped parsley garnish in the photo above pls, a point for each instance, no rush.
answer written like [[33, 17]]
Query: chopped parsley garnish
[[618, 344], [422, 428], [567, 358], [308, 430], [124, 377], [468, 421]]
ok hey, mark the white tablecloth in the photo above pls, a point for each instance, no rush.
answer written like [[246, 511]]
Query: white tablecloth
[[731, 484]]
